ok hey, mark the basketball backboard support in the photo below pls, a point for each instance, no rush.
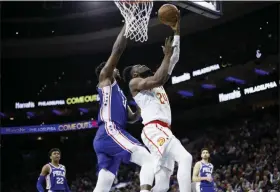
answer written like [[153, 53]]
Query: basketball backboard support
[[211, 9]]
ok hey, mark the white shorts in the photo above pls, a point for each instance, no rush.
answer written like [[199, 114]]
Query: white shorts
[[157, 139]]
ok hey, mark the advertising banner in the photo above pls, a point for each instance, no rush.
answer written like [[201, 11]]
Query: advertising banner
[[69, 101], [235, 94], [205, 70], [229, 96], [181, 78], [259, 88], [49, 128]]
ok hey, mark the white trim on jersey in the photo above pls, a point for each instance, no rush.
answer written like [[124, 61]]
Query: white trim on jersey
[[208, 164], [48, 178], [110, 126], [59, 165]]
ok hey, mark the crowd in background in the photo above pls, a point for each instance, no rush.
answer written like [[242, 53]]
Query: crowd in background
[[245, 154], [247, 157]]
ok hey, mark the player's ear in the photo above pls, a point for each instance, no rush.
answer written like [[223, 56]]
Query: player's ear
[[134, 75]]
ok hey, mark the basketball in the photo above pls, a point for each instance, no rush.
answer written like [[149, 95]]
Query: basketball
[[167, 14]]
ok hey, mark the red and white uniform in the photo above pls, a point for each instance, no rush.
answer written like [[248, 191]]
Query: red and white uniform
[[156, 115]]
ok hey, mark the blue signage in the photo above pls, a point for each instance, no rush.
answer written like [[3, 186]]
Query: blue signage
[[49, 128]]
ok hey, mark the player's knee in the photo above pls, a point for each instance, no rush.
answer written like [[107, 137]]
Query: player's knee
[[150, 165], [162, 180], [104, 181], [148, 160], [141, 156], [186, 157]]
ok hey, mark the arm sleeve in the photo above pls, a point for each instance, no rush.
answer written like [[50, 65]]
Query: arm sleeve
[[176, 54], [39, 184]]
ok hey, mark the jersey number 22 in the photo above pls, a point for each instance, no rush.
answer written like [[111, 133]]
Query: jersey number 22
[[59, 180]]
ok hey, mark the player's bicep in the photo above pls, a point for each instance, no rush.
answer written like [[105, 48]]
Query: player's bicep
[[108, 69], [148, 83], [196, 171], [45, 170]]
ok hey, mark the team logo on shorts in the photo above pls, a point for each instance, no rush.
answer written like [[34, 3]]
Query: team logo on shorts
[[161, 141]]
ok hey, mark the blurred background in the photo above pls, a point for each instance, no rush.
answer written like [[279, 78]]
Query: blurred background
[[223, 92]]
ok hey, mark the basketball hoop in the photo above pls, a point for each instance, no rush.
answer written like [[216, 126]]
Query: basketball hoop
[[137, 15]]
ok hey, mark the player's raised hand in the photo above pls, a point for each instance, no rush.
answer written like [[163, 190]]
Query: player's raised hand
[[176, 27], [168, 48]]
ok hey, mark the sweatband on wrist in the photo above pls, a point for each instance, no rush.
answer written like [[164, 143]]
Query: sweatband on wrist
[[176, 40], [175, 55]]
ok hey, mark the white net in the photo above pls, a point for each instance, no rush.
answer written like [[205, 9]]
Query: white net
[[137, 15], [212, 5]]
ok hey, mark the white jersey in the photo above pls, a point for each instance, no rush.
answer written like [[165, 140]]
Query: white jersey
[[154, 105]]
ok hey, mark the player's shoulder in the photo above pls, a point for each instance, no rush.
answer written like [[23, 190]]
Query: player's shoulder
[[61, 166], [46, 167], [137, 81], [134, 81], [106, 83], [134, 85], [198, 164]]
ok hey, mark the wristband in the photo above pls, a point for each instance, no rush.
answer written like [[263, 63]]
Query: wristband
[[175, 55], [176, 40]]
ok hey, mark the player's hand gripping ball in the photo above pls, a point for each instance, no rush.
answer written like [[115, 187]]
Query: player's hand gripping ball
[[168, 15]]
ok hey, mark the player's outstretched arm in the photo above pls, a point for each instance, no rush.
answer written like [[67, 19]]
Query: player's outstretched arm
[[172, 54], [158, 79], [118, 48], [176, 44], [45, 171]]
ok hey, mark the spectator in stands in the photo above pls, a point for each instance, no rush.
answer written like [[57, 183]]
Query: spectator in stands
[[246, 157]]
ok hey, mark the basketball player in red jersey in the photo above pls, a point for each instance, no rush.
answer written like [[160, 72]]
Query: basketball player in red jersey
[[150, 96]]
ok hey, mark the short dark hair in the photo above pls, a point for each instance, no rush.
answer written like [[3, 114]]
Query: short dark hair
[[127, 74], [99, 68], [204, 149], [54, 150]]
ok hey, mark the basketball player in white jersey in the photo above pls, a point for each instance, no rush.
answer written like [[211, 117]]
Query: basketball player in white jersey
[[202, 173], [149, 94]]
